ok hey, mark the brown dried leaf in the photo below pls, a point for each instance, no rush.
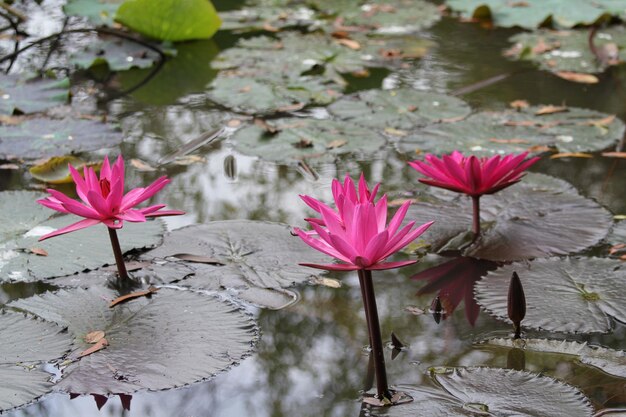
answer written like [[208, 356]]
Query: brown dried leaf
[[519, 4], [245, 89], [519, 104], [550, 109], [270, 28], [350, 43], [542, 47], [265, 126], [617, 248], [131, 296], [513, 141], [415, 310], [396, 132], [327, 282], [39, 251], [199, 259], [94, 337], [141, 165], [11, 120], [337, 143], [539, 149], [578, 77], [234, 123], [571, 155], [101, 344], [614, 154], [291, 107], [303, 143], [362, 73], [189, 159]]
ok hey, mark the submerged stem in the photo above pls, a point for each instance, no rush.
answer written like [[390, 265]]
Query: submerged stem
[[371, 314], [117, 251], [476, 216]]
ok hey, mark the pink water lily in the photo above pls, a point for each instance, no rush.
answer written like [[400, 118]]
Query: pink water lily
[[357, 232], [102, 200]]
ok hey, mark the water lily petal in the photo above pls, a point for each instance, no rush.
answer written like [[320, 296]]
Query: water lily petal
[[71, 228], [390, 265], [132, 216]]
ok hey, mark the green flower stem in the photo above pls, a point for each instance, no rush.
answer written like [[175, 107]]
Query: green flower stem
[[371, 313], [476, 216], [117, 251]]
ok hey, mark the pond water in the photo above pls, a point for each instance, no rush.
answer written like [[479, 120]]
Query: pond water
[[311, 358]]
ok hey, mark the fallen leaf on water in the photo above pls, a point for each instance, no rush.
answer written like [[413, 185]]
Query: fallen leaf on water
[[539, 148], [265, 126], [234, 123], [578, 77], [571, 155], [519, 104], [550, 109], [614, 154], [291, 107], [513, 140], [141, 165], [101, 344], [327, 282], [396, 132], [94, 337], [132, 296], [11, 120], [188, 160], [189, 257], [270, 28], [303, 144], [337, 143], [616, 248], [542, 47], [39, 251], [520, 123], [245, 89], [415, 310], [350, 43], [519, 4], [362, 73]]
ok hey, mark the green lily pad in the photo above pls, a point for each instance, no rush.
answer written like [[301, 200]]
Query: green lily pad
[[40, 138], [26, 343], [118, 54], [617, 240], [392, 16], [398, 110], [25, 221], [538, 217], [613, 362], [563, 295], [571, 130], [170, 20], [530, 14], [296, 139], [490, 391], [171, 339], [568, 50], [272, 18], [99, 12], [31, 96], [257, 260]]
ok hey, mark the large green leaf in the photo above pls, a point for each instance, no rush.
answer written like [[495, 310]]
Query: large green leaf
[[568, 50], [31, 96], [530, 14], [23, 221], [170, 20], [490, 392], [26, 343], [39, 138], [297, 139], [99, 12], [172, 339], [401, 109], [491, 132], [562, 295], [255, 259], [538, 217]]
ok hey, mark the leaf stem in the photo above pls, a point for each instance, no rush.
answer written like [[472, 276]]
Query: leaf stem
[[476, 216], [371, 314], [117, 251]]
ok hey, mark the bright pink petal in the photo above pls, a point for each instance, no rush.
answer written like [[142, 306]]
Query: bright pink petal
[[52, 203], [390, 265], [131, 216], [376, 247], [165, 213], [114, 199], [81, 186], [98, 203], [105, 170], [319, 245], [397, 219], [148, 192], [71, 228], [73, 206]]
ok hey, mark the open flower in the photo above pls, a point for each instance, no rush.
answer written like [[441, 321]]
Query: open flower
[[471, 175], [357, 232], [103, 199]]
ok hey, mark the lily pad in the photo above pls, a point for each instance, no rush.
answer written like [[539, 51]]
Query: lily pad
[[392, 16], [56, 171], [22, 258], [118, 54], [257, 260], [398, 110], [568, 50], [40, 138], [296, 139], [33, 95], [99, 12], [270, 18], [538, 217], [172, 339], [170, 20], [613, 362], [564, 295], [493, 392], [26, 343], [530, 14], [536, 128]]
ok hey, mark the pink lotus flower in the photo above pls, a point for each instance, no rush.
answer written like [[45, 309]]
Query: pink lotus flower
[[103, 199], [357, 233], [471, 175]]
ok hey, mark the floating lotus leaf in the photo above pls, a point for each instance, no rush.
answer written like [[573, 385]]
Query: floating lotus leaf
[[613, 362], [97, 11], [40, 138], [23, 258], [31, 96], [617, 240], [530, 14], [56, 171], [118, 54], [538, 217], [392, 16], [571, 130], [564, 295], [568, 50], [170, 20], [171, 339], [297, 139], [249, 257], [26, 343], [401, 109], [270, 18], [490, 391], [250, 96]]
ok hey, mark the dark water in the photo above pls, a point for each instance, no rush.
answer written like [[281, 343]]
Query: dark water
[[311, 359]]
